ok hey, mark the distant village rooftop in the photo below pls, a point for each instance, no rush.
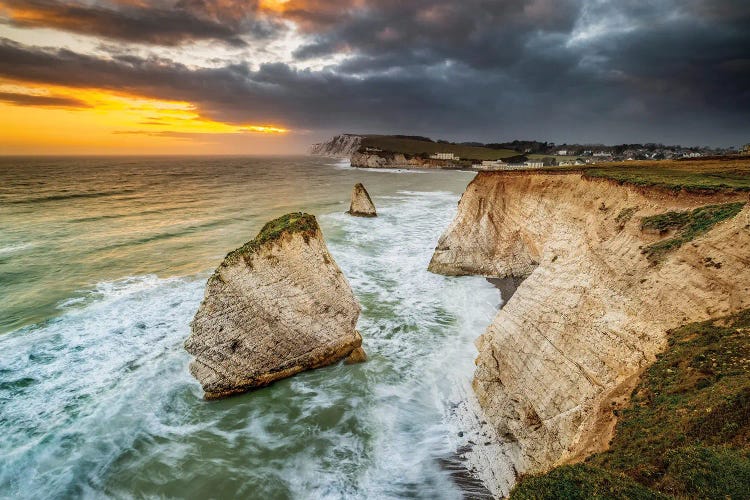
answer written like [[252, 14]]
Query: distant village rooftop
[[444, 156]]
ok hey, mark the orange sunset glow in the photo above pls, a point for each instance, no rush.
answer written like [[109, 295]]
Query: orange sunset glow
[[101, 121]]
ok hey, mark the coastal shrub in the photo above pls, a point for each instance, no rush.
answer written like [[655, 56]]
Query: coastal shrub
[[290, 223], [581, 482], [625, 215], [688, 224], [686, 430], [707, 472]]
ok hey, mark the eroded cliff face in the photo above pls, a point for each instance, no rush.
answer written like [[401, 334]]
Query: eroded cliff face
[[341, 146], [592, 312], [395, 160], [275, 307]]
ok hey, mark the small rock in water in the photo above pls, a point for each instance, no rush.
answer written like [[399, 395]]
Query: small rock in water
[[358, 355], [361, 205]]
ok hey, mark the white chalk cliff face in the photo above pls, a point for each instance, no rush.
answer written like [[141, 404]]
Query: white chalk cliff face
[[341, 146], [275, 307], [592, 313], [361, 204]]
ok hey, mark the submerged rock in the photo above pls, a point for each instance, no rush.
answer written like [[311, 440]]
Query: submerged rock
[[362, 205], [276, 306], [358, 355]]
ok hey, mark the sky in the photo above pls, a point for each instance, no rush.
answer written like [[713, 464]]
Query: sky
[[274, 76]]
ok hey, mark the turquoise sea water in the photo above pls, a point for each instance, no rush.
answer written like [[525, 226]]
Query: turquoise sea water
[[103, 262]]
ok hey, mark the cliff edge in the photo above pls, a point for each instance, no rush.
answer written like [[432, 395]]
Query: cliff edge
[[340, 146], [276, 306], [608, 269]]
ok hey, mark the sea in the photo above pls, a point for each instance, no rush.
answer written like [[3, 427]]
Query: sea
[[103, 263]]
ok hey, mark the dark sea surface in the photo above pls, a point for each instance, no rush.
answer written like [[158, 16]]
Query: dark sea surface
[[103, 263]]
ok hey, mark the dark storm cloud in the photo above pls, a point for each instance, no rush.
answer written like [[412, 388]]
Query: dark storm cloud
[[612, 71], [41, 100], [158, 22], [484, 34], [273, 93]]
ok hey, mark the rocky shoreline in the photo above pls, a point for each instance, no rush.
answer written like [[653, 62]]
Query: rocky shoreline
[[593, 274], [592, 310]]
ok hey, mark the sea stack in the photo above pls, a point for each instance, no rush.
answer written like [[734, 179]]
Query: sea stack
[[362, 205], [276, 306]]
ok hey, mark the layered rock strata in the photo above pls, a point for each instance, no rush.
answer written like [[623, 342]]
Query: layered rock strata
[[341, 146], [361, 204], [276, 306], [592, 312], [386, 159]]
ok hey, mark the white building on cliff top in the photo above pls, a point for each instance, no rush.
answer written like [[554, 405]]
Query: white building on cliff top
[[491, 165], [444, 156]]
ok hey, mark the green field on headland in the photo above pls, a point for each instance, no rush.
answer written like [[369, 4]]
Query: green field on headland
[[416, 146], [698, 175], [731, 174], [686, 431]]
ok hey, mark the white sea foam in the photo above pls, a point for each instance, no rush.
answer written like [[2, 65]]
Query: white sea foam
[[428, 338], [347, 165], [17, 247], [79, 389], [99, 402]]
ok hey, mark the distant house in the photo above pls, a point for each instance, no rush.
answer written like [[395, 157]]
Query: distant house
[[692, 154], [746, 149], [444, 156], [562, 152], [570, 163], [534, 163], [491, 165]]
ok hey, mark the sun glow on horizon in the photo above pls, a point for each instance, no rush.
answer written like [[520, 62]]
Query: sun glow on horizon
[[49, 118], [273, 5]]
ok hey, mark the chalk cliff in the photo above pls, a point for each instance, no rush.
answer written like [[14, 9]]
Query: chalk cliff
[[341, 146], [592, 313], [384, 159], [361, 204], [276, 306]]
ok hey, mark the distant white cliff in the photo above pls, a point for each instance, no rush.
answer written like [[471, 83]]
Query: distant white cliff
[[341, 146]]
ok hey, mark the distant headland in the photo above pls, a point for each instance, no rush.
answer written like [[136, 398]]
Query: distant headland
[[414, 151]]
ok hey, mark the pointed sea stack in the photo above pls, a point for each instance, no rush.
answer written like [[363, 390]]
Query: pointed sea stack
[[276, 306], [362, 205]]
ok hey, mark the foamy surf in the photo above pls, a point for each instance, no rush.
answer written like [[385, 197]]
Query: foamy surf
[[10, 249], [98, 401]]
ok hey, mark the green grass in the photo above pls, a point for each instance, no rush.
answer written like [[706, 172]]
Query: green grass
[[581, 482], [416, 147], [688, 225], [686, 431], [625, 215], [701, 176], [289, 223]]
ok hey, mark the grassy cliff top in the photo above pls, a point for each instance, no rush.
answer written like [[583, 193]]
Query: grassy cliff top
[[296, 222], [686, 431], [699, 175], [394, 144], [730, 175], [687, 226]]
